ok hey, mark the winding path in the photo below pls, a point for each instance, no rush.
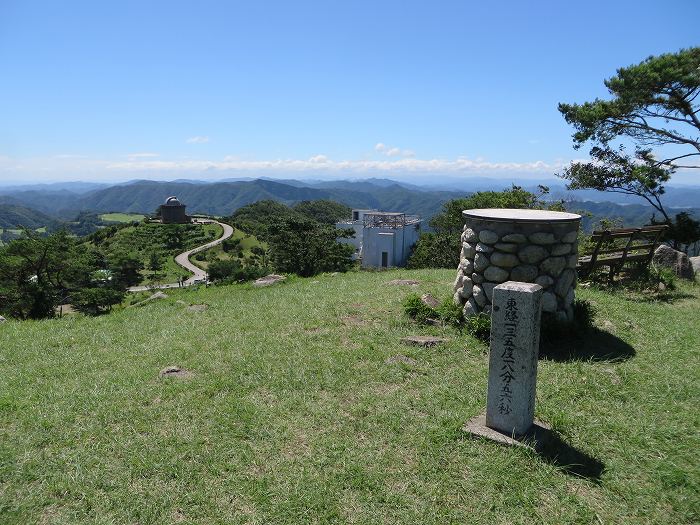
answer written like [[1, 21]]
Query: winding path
[[183, 260]]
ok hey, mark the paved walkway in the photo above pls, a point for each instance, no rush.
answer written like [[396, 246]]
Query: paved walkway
[[183, 259]]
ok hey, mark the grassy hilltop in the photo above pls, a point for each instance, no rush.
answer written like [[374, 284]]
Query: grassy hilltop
[[297, 413]]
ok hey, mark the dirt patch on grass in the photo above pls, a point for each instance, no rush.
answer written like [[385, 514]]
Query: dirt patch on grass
[[197, 307], [401, 359], [353, 320], [403, 282], [175, 372]]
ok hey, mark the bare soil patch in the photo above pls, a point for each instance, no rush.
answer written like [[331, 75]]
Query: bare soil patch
[[176, 372]]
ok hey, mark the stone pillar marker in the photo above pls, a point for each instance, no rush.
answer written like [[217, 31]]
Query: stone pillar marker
[[512, 381], [515, 342]]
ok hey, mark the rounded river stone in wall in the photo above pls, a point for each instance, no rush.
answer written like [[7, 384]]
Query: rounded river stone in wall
[[566, 279], [469, 235], [507, 247], [544, 281], [483, 248], [496, 274], [468, 250], [470, 308], [570, 237], [479, 295], [488, 236], [518, 238], [467, 266], [532, 254], [560, 249], [488, 290], [553, 265], [504, 260], [525, 273], [481, 262], [467, 286], [542, 238], [549, 302], [477, 278]]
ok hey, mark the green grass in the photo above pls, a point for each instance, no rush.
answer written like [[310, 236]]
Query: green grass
[[122, 217], [293, 414]]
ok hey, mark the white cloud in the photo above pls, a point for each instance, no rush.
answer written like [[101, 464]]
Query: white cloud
[[392, 151], [142, 155], [321, 162], [147, 165], [197, 140]]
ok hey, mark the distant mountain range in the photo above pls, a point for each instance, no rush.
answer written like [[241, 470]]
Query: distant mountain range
[[223, 198], [35, 206]]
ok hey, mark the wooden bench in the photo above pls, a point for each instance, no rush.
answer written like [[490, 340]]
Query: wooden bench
[[615, 248]]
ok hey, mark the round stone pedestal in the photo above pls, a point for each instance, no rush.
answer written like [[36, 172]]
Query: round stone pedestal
[[530, 246]]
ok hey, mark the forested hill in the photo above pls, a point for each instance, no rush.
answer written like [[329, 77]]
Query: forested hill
[[223, 198], [13, 215]]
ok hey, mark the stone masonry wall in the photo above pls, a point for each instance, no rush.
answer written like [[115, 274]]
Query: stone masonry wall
[[497, 251]]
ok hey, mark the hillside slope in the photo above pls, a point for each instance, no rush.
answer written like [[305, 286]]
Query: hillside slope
[[14, 215], [304, 407]]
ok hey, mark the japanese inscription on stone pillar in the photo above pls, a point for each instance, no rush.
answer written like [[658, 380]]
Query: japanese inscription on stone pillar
[[515, 328]]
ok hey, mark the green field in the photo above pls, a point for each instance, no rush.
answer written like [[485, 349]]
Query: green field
[[296, 413], [122, 217]]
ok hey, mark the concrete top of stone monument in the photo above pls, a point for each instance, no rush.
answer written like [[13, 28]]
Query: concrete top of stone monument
[[514, 215], [516, 286]]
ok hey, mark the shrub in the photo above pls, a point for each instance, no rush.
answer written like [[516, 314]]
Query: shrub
[[553, 330], [417, 309], [234, 271], [451, 313], [479, 326]]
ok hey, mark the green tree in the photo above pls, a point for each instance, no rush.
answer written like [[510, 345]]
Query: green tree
[[261, 253], [126, 268], [96, 300], [223, 269], [260, 217], [305, 247], [616, 172], [38, 273], [683, 231], [154, 263], [441, 248], [654, 104], [323, 211]]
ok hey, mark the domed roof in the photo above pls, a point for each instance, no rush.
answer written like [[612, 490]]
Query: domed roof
[[172, 201]]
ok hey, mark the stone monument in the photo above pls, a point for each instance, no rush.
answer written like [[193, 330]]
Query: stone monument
[[531, 246], [515, 339]]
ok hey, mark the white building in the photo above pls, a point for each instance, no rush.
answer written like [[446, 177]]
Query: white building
[[382, 239]]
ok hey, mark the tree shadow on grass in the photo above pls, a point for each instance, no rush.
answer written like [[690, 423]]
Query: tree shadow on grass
[[594, 345], [556, 451]]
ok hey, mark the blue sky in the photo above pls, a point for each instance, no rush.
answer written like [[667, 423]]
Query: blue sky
[[122, 90]]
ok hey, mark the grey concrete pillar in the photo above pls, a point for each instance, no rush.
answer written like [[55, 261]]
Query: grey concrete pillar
[[515, 341]]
